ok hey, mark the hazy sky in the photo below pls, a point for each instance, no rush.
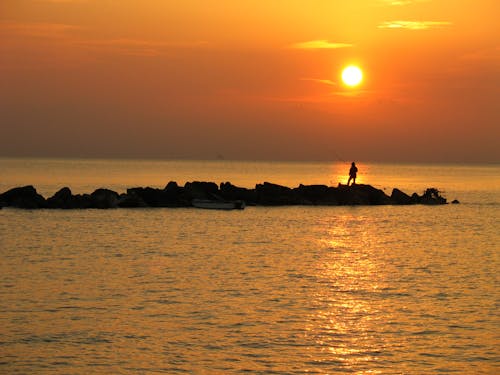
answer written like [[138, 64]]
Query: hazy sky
[[249, 79]]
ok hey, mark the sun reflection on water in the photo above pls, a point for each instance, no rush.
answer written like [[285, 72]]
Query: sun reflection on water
[[345, 322], [324, 290]]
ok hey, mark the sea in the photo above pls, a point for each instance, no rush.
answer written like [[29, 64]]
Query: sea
[[264, 290]]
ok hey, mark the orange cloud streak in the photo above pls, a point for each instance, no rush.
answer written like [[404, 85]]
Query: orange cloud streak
[[413, 25], [37, 30], [319, 44]]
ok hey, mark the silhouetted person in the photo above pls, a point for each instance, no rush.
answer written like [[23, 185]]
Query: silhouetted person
[[352, 174]]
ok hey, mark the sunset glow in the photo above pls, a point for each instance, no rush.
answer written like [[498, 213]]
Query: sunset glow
[[250, 80], [249, 186]]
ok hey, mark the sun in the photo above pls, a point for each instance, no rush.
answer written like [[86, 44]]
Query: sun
[[352, 76]]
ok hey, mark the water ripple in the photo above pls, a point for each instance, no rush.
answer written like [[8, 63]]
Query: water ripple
[[273, 291]]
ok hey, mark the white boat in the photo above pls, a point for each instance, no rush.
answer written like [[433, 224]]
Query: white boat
[[218, 204]]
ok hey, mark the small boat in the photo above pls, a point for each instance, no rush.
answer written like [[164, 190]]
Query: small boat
[[218, 204]]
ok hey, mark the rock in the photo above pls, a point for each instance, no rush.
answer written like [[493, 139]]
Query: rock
[[173, 194], [131, 200], [230, 192], [266, 194], [399, 197], [83, 201], [150, 197], [104, 198], [23, 197], [63, 199], [432, 196], [168, 197], [63, 194], [316, 195], [171, 187], [372, 195], [346, 196], [455, 201], [269, 194], [361, 194], [415, 198], [201, 190]]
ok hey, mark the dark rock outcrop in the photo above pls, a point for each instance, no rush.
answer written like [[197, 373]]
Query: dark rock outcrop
[[415, 198], [101, 198], [230, 192], [268, 194], [399, 197], [104, 198], [66, 200], [172, 188], [151, 197], [61, 199], [131, 200], [22, 197], [432, 196], [362, 195], [173, 195], [201, 190], [317, 195]]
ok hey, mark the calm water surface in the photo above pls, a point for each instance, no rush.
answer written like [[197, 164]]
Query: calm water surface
[[289, 290]]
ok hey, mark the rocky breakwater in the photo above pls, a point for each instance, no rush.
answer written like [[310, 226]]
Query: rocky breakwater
[[173, 195]]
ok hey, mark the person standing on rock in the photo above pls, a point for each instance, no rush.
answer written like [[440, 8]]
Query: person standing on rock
[[352, 174]]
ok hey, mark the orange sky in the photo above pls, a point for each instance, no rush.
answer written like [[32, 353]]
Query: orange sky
[[251, 79]]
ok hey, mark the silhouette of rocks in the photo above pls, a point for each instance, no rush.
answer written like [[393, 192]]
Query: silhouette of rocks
[[399, 197], [61, 199], [415, 198], [233, 193], [268, 194], [171, 188], [373, 195], [361, 194], [66, 200], [104, 198], [152, 197], [432, 196], [173, 195], [131, 200], [22, 197], [455, 201], [201, 190], [317, 195]]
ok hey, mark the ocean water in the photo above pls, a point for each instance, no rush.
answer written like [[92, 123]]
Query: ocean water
[[266, 290]]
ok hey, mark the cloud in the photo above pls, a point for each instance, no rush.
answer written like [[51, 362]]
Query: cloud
[[61, 1], [37, 30], [403, 2], [322, 81], [72, 35], [319, 44], [488, 54], [136, 47], [414, 25]]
